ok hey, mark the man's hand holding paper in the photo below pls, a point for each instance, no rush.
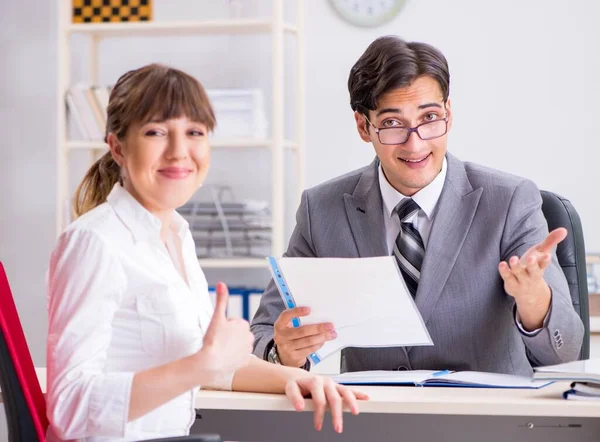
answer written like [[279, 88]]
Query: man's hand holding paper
[[294, 344]]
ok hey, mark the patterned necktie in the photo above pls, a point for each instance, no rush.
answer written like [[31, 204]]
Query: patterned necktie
[[408, 248]]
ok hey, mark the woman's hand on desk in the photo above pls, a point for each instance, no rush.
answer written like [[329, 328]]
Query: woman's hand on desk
[[324, 392], [227, 342]]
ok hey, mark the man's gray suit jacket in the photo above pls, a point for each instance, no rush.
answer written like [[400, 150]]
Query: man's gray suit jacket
[[483, 216]]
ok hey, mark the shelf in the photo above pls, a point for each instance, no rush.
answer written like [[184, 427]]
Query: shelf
[[217, 144], [594, 304], [86, 145], [276, 32], [158, 28], [232, 263], [292, 29]]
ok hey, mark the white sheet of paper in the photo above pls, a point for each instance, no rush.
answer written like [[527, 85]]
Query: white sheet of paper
[[365, 299]]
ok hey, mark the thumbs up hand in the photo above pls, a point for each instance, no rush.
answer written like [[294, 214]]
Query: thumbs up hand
[[228, 342]]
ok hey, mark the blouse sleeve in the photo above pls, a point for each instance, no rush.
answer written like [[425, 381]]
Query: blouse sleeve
[[85, 286]]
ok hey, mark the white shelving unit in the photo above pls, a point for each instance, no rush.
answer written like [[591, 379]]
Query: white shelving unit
[[277, 144]]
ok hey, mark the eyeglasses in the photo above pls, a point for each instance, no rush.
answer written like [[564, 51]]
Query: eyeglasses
[[400, 135]]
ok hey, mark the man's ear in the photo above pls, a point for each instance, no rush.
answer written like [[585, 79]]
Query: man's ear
[[449, 111], [116, 148], [362, 127]]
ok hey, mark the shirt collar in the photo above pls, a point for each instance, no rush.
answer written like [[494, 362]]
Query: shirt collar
[[142, 224], [426, 198]]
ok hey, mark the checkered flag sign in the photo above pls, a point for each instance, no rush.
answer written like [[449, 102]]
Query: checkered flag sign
[[106, 11]]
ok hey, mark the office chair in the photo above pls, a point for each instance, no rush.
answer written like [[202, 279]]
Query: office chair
[[559, 212], [21, 393]]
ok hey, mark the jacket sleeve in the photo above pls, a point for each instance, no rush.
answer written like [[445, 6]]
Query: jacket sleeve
[[560, 338], [271, 304]]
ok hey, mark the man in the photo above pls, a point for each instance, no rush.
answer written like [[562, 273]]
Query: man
[[471, 242]]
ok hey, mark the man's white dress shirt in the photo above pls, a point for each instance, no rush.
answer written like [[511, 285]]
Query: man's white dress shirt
[[119, 304], [426, 198]]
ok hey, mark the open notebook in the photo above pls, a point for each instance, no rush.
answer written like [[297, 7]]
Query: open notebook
[[445, 378]]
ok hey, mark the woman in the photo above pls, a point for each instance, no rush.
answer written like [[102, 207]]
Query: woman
[[132, 333]]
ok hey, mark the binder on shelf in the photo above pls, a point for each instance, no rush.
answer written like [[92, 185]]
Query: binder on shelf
[[235, 306], [239, 301], [254, 297], [76, 119], [102, 95], [81, 102], [96, 110]]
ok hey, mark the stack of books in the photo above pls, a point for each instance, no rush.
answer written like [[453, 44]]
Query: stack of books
[[87, 109], [584, 376], [226, 229]]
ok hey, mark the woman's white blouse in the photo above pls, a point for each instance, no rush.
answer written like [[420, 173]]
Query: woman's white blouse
[[118, 305]]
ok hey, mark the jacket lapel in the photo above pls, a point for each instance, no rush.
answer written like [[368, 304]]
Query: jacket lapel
[[454, 214], [364, 209]]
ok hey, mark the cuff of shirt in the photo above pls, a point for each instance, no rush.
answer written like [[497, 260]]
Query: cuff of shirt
[[306, 365], [224, 382], [109, 404], [533, 332]]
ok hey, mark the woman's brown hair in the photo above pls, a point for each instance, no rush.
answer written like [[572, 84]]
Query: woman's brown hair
[[153, 92]]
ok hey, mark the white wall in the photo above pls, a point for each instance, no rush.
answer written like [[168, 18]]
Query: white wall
[[524, 91], [27, 156]]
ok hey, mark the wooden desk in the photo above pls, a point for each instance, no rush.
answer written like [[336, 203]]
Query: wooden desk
[[406, 413], [426, 400]]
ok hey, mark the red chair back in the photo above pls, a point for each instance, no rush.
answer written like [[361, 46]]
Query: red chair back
[[21, 393]]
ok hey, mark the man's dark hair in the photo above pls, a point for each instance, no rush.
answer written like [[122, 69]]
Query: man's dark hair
[[390, 63]]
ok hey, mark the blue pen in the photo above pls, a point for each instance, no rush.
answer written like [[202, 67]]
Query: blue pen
[[288, 300]]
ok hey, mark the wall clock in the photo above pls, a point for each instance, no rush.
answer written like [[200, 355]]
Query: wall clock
[[367, 13]]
